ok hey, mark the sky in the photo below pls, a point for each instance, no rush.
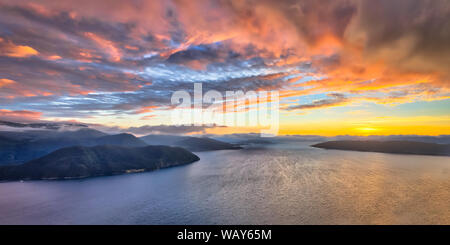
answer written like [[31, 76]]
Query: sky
[[341, 67]]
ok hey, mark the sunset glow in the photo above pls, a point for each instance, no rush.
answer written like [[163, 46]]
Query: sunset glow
[[337, 65]]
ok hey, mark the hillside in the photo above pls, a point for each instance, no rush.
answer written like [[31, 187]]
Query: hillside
[[120, 140], [20, 147], [80, 162], [162, 139]]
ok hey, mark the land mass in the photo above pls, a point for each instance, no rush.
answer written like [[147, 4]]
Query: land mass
[[82, 161], [21, 147], [195, 144], [399, 147]]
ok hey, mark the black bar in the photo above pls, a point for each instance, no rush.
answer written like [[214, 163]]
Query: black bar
[[299, 233]]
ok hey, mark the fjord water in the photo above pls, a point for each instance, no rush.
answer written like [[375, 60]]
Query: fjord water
[[274, 184]]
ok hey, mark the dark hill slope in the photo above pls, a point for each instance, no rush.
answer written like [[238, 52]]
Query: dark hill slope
[[161, 139], [80, 161], [128, 140], [22, 147]]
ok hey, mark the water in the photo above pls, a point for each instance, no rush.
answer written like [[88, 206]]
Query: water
[[278, 184]]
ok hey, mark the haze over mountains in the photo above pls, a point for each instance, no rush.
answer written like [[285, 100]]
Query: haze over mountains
[[194, 144], [42, 125]]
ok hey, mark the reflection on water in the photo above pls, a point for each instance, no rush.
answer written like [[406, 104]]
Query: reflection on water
[[279, 184]]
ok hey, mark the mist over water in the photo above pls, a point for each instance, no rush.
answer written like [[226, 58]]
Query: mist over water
[[273, 184]]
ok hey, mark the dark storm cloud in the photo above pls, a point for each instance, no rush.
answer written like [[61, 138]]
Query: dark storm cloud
[[208, 53], [315, 18], [419, 29]]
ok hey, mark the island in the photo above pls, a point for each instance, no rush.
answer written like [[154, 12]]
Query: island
[[398, 147], [81, 162]]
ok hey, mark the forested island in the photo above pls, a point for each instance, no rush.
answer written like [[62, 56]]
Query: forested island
[[398, 147], [82, 162]]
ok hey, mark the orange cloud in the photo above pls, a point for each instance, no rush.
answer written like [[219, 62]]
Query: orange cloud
[[21, 115], [10, 49], [108, 46], [5, 81], [54, 57], [147, 117], [146, 109]]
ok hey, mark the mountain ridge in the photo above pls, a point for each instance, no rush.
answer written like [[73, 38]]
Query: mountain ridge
[[82, 161], [22, 146]]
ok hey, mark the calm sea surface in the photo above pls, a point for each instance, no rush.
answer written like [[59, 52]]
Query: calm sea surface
[[278, 184]]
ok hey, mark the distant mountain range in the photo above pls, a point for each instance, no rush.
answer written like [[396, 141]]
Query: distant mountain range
[[242, 138], [119, 139], [440, 139], [81, 162], [400, 147], [24, 146], [20, 147], [195, 144], [46, 153], [48, 125], [255, 142]]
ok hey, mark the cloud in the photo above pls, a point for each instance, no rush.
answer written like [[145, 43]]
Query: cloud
[[12, 126], [5, 81], [159, 129], [17, 51], [20, 115], [335, 99], [101, 57], [408, 34]]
